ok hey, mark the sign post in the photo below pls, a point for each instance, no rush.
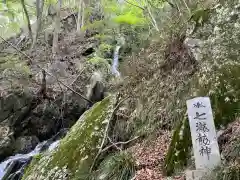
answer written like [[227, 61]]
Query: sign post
[[204, 137]]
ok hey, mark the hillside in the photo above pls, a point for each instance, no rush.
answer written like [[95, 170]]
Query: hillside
[[98, 89]]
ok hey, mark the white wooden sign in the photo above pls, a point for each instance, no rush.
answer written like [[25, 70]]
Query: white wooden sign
[[204, 138]]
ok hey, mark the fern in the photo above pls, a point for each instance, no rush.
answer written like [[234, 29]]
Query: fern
[[119, 166]]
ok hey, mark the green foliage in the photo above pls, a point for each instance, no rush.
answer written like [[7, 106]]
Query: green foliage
[[222, 85], [105, 47], [105, 50], [225, 100], [97, 60], [129, 18], [119, 166], [200, 16]]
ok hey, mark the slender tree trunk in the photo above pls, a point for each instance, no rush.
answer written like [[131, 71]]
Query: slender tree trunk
[[79, 16], [185, 3], [83, 7], [57, 28], [28, 19], [154, 23], [39, 10]]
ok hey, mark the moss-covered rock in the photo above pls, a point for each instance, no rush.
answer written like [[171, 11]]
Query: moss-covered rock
[[77, 150]]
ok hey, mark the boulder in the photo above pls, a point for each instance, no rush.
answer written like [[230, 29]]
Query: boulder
[[12, 104], [25, 144], [49, 117], [77, 151]]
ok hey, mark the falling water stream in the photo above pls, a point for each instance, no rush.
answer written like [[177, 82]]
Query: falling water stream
[[13, 167], [116, 61]]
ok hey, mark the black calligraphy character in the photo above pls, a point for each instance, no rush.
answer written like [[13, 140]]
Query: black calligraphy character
[[198, 105], [198, 116], [205, 150], [202, 126], [202, 139]]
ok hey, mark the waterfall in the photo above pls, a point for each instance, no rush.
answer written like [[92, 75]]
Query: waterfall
[[8, 166], [13, 167], [116, 61]]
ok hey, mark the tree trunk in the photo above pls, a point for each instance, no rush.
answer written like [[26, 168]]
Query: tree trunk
[[57, 28], [28, 19], [39, 10], [83, 6], [80, 9]]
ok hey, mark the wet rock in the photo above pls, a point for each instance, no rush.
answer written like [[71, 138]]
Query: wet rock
[[12, 104], [6, 141], [96, 88], [48, 118], [25, 144]]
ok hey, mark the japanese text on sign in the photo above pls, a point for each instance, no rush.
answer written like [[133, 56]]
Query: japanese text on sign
[[204, 140]]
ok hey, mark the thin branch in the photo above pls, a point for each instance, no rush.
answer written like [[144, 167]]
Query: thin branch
[[134, 5], [171, 4], [119, 143], [134, 177], [31, 60], [154, 23], [106, 133], [77, 76], [185, 3], [113, 144]]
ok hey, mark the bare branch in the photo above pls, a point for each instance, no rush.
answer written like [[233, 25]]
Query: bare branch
[[113, 144], [119, 143], [77, 77], [134, 5], [30, 59]]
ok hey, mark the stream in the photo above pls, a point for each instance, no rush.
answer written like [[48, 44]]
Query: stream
[[13, 167]]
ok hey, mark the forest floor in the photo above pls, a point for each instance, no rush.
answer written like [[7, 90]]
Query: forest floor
[[150, 156]]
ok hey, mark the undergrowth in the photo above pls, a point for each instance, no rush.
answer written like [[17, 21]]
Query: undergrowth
[[119, 166], [225, 172]]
